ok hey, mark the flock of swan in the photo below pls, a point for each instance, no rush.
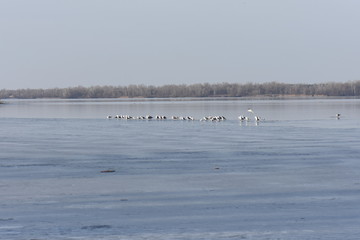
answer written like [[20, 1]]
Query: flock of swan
[[160, 117], [219, 118], [188, 118]]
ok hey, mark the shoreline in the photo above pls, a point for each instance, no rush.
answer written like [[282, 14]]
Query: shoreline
[[174, 99]]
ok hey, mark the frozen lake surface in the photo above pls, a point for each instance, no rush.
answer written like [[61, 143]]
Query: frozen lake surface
[[295, 175]]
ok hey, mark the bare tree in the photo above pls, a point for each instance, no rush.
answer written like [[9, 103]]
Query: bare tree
[[350, 89]]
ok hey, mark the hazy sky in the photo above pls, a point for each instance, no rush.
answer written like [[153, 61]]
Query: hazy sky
[[61, 43]]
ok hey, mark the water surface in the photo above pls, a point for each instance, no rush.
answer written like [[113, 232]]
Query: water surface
[[99, 108], [293, 176]]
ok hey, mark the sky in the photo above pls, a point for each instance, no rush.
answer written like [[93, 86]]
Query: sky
[[65, 43]]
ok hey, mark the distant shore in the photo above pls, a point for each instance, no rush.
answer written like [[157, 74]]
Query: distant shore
[[186, 99], [272, 90]]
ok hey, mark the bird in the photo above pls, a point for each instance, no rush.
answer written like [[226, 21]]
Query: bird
[[250, 110], [243, 118], [257, 118]]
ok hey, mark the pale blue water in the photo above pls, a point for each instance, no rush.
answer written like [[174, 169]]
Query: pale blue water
[[295, 175]]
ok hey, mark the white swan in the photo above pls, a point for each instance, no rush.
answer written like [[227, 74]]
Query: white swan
[[243, 118]]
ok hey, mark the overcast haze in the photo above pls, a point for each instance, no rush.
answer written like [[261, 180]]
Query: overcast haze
[[62, 43]]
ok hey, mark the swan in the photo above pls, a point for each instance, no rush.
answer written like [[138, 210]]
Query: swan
[[243, 118]]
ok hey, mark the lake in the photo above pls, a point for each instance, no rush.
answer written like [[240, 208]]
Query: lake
[[68, 172]]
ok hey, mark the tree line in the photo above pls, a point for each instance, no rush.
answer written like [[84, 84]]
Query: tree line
[[345, 89]]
